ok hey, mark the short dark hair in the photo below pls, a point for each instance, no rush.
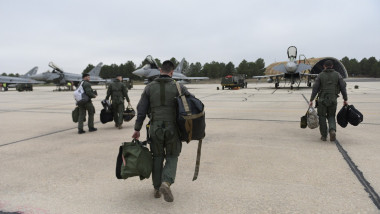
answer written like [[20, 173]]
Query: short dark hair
[[167, 66], [85, 75], [328, 64]]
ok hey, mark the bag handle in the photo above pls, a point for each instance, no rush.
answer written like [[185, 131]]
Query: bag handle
[[183, 98]]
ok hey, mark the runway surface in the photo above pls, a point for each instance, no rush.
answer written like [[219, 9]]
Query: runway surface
[[255, 157]]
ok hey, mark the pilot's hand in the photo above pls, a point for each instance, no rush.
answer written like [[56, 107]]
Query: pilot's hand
[[136, 135], [311, 104], [345, 103]]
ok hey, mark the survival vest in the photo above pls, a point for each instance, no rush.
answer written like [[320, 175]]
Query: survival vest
[[329, 87]]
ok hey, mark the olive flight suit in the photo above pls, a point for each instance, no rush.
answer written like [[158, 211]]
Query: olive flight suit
[[328, 85], [87, 106], [117, 90], [158, 99]]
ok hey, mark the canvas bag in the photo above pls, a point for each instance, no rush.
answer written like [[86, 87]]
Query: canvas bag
[[80, 96], [191, 122], [129, 113], [312, 118], [354, 116], [134, 159]]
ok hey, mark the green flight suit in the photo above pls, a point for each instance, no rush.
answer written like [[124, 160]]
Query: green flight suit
[[117, 90], [87, 106], [158, 98], [328, 84]]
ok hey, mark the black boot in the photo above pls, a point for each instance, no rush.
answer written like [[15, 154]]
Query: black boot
[[81, 131], [92, 129]]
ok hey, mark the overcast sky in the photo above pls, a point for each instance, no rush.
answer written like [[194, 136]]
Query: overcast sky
[[75, 33]]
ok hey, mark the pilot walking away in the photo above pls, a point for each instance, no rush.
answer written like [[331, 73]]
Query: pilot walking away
[[328, 85], [88, 106], [118, 91], [158, 98]]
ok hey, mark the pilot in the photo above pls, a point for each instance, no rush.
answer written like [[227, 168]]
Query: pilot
[[87, 106], [118, 91], [158, 99], [328, 84]]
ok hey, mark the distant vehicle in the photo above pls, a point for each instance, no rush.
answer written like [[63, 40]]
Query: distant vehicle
[[292, 71], [151, 71], [234, 81], [24, 82], [61, 78]]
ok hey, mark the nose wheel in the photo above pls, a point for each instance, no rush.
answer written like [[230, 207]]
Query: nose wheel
[[276, 85]]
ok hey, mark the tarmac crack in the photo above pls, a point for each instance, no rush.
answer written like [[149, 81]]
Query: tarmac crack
[[354, 168]]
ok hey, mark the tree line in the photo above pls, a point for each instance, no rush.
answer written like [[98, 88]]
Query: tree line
[[212, 70], [365, 68]]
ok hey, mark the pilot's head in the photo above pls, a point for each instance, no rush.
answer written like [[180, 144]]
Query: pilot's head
[[167, 68], [119, 77], [86, 76], [328, 64]]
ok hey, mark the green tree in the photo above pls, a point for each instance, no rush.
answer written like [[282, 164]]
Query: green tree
[[4, 74], [88, 68], [230, 69]]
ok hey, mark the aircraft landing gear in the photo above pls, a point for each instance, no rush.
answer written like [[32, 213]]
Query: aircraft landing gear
[[291, 87], [309, 84], [276, 85]]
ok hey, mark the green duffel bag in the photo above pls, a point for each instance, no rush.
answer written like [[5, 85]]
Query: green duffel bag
[[134, 159], [75, 115]]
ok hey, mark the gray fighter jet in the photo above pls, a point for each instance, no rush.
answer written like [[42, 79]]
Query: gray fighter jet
[[151, 71], [22, 79], [61, 78], [292, 71]]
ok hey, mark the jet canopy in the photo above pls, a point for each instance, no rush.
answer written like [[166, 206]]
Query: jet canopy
[[292, 53]]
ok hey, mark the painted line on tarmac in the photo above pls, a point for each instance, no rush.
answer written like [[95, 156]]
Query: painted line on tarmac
[[223, 92], [367, 186], [274, 91], [245, 119], [43, 135], [354, 168]]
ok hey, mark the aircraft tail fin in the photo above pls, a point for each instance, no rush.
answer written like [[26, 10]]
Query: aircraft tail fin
[[96, 70], [179, 68], [32, 72]]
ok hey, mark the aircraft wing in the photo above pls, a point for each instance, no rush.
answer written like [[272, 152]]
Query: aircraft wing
[[268, 76], [281, 68], [17, 80], [191, 78], [301, 67]]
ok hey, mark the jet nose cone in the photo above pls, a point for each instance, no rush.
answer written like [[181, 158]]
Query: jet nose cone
[[139, 72]]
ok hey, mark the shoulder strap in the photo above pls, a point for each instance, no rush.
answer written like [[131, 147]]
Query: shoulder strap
[[183, 98], [198, 161]]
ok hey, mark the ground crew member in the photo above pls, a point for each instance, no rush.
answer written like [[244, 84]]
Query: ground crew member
[[69, 86], [87, 106], [158, 99], [328, 84], [117, 90]]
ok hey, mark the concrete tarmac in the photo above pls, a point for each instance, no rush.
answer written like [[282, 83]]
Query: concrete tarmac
[[255, 157]]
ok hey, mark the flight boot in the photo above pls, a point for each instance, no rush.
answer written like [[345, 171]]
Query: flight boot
[[332, 135], [157, 193], [165, 190], [81, 131], [323, 138], [92, 129], [120, 126]]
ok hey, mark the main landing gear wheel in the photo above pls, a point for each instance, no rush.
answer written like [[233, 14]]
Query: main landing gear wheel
[[276, 85]]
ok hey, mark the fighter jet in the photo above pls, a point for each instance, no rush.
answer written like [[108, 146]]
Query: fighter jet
[[151, 71], [22, 79], [60, 78], [292, 71]]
